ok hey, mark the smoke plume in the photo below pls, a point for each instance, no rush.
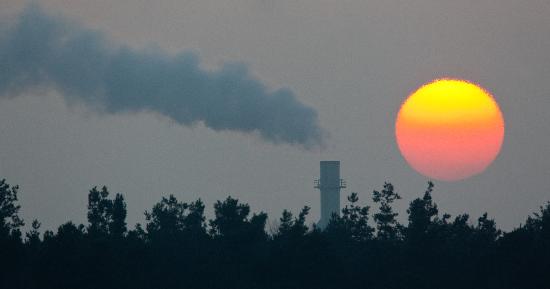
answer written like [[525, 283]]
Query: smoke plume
[[42, 50]]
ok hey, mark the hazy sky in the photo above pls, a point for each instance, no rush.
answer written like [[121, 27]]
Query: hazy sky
[[353, 62]]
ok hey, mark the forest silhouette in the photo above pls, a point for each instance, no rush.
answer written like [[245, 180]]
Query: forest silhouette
[[364, 247]]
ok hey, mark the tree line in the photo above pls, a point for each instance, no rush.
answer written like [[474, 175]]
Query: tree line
[[178, 247]]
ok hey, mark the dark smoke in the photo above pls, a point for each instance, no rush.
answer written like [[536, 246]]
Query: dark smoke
[[41, 50]]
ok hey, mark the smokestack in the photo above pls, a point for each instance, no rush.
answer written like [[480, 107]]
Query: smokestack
[[329, 185]]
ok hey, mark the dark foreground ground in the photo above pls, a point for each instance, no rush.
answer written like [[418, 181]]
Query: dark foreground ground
[[363, 248]]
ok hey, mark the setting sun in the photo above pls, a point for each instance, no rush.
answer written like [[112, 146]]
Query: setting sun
[[449, 129]]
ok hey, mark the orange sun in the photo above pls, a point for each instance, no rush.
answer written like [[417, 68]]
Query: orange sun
[[449, 129]]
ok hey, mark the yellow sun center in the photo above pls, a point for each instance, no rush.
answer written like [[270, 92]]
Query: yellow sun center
[[449, 129]]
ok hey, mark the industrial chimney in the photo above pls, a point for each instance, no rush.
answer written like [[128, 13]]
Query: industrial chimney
[[329, 184]]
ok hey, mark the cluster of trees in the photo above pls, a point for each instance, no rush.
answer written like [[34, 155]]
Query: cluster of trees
[[179, 248]]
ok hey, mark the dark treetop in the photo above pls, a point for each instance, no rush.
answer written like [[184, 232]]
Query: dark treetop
[[179, 248]]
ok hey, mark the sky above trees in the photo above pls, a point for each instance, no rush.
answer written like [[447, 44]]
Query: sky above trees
[[353, 62]]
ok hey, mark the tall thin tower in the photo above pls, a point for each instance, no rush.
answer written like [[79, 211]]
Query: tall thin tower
[[329, 184]]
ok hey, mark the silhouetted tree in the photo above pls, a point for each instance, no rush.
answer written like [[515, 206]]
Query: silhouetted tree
[[33, 236], [70, 235], [9, 218], [386, 223], [286, 223], [353, 224], [293, 228], [232, 223], [422, 213], [99, 208], [117, 222], [11, 248], [486, 230], [539, 223], [171, 219], [535, 245], [106, 217]]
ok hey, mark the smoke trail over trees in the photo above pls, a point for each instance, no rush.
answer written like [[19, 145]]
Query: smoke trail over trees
[[42, 50]]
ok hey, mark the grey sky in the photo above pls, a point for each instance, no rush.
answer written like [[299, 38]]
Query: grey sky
[[352, 61]]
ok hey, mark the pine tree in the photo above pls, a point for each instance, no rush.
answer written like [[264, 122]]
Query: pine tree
[[386, 223]]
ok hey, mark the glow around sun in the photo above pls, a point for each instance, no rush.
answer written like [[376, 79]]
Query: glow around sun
[[449, 129]]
